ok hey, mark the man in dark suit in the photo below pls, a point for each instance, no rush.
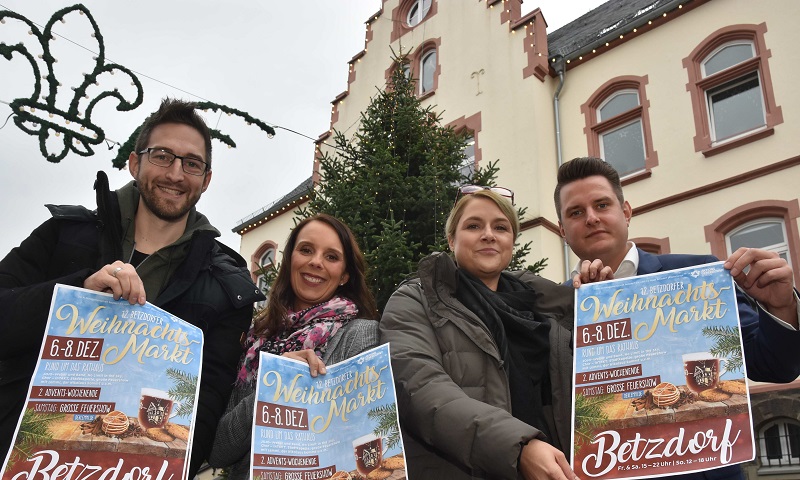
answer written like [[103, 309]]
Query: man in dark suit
[[594, 218]]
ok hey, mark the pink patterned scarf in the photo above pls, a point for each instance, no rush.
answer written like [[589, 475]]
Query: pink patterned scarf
[[307, 329]]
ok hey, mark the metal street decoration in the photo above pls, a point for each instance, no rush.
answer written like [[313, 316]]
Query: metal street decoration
[[41, 114]]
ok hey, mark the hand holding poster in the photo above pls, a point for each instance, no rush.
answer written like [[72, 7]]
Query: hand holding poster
[[659, 376], [112, 394], [341, 425]]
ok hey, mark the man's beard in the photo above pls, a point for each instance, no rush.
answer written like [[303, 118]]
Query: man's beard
[[162, 209]]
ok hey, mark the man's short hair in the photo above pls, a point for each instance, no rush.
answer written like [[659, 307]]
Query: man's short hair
[[175, 111], [584, 167]]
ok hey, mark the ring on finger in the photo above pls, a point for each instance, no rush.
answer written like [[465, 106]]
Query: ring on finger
[[116, 270]]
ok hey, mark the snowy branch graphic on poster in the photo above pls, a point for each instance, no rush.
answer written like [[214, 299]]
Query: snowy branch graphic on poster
[[659, 380]]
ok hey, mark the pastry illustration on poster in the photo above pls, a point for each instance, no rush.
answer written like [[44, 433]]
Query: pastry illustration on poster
[[342, 425], [659, 376], [113, 392]]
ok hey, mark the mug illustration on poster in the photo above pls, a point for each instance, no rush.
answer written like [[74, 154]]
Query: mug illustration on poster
[[368, 451], [702, 370], [155, 408]]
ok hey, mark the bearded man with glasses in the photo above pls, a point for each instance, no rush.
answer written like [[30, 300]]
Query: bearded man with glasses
[[144, 242]]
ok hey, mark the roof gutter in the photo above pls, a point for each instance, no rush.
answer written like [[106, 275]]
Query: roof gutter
[[559, 65]]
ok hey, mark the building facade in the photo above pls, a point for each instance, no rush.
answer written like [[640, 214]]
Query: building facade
[[693, 101]]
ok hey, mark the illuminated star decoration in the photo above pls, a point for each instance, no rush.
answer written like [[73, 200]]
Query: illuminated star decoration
[[124, 151], [40, 115]]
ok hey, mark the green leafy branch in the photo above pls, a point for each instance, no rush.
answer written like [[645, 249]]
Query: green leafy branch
[[387, 424], [184, 390], [589, 416], [727, 345], [34, 430]]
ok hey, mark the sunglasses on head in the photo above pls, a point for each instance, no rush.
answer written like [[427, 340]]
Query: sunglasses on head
[[470, 189]]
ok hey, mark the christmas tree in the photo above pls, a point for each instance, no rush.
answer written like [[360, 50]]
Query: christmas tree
[[395, 182]]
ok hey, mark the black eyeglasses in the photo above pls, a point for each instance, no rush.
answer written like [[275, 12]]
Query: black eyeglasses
[[470, 189], [163, 158]]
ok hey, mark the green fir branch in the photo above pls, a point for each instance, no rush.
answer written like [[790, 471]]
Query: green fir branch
[[387, 424], [728, 345], [34, 430], [589, 416], [184, 390]]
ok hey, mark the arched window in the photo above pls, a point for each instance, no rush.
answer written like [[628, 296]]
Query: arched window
[[409, 14], [470, 128], [263, 267], [779, 443], [467, 167], [622, 146], [731, 89], [422, 65], [734, 107], [419, 10], [266, 260], [768, 234], [427, 67], [406, 70], [768, 224], [618, 127]]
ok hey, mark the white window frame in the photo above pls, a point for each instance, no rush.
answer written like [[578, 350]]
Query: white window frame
[[267, 258], [426, 55], [418, 11], [722, 47], [729, 85], [785, 464], [406, 69], [601, 140], [468, 164], [778, 248], [602, 133], [607, 100]]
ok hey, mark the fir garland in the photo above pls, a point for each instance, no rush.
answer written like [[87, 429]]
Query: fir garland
[[29, 112], [122, 156]]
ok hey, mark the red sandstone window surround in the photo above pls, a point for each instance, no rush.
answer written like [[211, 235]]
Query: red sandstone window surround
[[769, 224], [618, 127], [731, 89]]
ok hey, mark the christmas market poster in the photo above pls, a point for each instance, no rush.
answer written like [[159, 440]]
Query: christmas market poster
[[659, 380], [341, 425], [113, 392]]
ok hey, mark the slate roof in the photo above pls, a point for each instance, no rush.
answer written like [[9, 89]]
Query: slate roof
[[299, 191], [604, 23]]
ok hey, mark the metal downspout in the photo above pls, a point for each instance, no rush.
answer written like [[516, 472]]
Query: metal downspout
[[560, 67]]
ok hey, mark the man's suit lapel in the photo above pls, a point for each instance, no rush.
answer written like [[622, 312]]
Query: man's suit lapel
[[648, 263]]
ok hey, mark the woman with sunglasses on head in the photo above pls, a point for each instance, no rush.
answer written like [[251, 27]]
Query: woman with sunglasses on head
[[481, 356], [319, 311]]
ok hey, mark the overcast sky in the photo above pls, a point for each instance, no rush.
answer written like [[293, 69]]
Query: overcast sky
[[282, 62]]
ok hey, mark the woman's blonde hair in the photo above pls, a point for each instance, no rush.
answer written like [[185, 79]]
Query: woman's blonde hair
[[502, 203]]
